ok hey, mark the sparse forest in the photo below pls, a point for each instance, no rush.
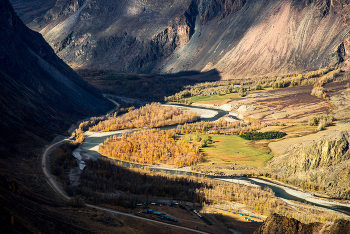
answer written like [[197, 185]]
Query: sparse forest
[[151, 115], [152, 146]]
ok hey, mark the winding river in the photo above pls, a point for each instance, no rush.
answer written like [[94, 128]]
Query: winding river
[[89, 149]]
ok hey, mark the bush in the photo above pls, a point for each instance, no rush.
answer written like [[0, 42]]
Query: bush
[[321, 122], [76, 202], [321, 126], [318, 92], [258, 87], [198, 138], [205, 142], [314, 121], [241, 92]]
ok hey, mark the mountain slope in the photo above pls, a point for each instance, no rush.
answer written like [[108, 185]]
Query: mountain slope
[[236, 37], [39, 92], [40, 97]]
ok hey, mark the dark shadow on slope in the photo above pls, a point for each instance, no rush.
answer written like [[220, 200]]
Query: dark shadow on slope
[[147, 87], [102, 176]]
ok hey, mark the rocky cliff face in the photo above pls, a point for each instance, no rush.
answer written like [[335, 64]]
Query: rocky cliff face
[[282, 225], [236, 37], [322, 164], [39, 93]]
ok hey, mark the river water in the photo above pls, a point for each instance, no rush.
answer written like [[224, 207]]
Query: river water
[[89, 146]]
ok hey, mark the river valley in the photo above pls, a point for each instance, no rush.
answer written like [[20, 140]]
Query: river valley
[[89, 149]]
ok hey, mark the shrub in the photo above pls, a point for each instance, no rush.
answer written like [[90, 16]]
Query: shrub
[[241, 92], [313, 121], [76, 202], [318, 92], [321, 126], [321, 122], [258, 87]]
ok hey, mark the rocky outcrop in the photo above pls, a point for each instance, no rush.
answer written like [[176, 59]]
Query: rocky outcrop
[[322, 164], [40, 94], [278, 224]]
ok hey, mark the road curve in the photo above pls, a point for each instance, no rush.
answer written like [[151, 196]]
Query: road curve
[[58, 189], [45, 164]]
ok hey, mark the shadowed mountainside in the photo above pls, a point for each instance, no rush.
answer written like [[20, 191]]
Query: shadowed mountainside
[[28, 10], [40, 96], [39, 92], [236, 37]]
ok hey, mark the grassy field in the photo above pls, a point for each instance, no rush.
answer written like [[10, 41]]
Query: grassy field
[[228, 149], [217, 99]]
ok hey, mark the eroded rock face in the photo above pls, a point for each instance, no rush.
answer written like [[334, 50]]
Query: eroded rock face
[[236, 37], [278, 224], [118, 35]]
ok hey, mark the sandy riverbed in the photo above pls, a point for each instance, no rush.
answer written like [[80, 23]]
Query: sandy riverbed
[[206, 114]]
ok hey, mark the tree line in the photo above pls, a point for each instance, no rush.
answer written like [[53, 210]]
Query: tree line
[[151, 115], [152, 146], [218, 127], [255, 136]]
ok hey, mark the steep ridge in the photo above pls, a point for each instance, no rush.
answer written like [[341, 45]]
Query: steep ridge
[[236, 37], [39, 92]]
